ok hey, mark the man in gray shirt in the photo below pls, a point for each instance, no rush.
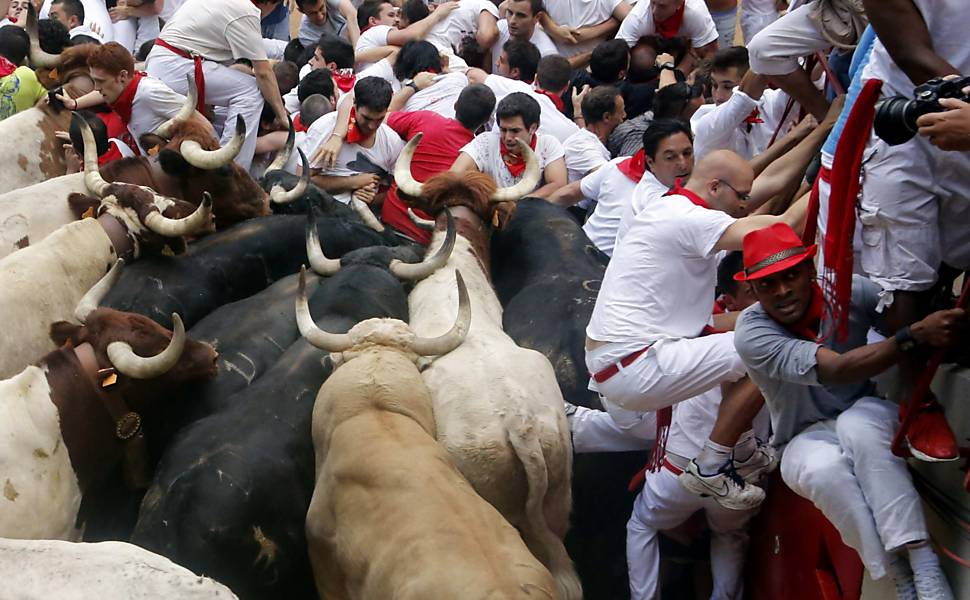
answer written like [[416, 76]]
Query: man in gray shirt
[[835, 432]]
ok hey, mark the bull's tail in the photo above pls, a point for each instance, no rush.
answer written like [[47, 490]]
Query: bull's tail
[[536, 533]]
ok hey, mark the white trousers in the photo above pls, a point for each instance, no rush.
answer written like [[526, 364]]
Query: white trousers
[[664, 504], [669, 372], [775, 50], [846, 468], [616, 431], [132, 33], [752, 21], [226, 87], [725, 23]]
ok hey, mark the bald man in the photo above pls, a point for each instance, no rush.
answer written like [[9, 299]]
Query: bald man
[[645, 343]]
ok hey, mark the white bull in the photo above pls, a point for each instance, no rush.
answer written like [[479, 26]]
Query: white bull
[[44, 569], [498, 408], [30, 214]]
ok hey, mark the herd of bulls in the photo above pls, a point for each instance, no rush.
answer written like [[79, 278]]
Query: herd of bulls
[[384, 424]]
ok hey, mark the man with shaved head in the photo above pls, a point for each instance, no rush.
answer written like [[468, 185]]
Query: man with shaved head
[[646, 345]]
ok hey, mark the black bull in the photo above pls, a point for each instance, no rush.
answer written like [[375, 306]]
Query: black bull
[[546, 273]]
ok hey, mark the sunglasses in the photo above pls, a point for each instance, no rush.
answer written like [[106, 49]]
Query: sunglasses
[[741, 197]]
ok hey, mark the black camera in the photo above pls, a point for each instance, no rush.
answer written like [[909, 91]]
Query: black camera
[[896, 117]]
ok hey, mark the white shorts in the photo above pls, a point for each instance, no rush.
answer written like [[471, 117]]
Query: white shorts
[[915, 213], [752, 22], [775, 50]]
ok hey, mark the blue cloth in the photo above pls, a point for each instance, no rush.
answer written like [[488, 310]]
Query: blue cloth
[[860, 58], [276, 25]]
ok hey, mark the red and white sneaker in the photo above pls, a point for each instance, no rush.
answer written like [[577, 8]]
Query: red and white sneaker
[[929, 437]]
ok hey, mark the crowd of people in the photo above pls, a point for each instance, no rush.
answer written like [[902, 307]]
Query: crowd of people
[[769, 253]]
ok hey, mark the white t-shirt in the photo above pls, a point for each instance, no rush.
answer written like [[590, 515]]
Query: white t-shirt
[[584, 152], [660, 282], [645, 192], [722, 127], [375, 37], [486, 151], [539, 38], [579, 13], [612, 191], [551, 122], [154, 104], [95, 11], [697, 25], [446, 35], [219, 30], [440, 97], [83, 30], [387, 147], [383, 69]]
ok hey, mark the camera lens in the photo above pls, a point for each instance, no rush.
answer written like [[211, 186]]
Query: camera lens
[[895, 120]]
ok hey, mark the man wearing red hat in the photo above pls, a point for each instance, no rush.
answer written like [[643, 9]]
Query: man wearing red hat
[[835, 432]]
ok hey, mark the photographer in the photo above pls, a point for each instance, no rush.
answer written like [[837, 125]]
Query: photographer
[[948, 130]]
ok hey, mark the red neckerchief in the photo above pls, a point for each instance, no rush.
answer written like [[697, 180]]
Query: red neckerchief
[[298, 124], [635, 166], [682, 191], [807, 328], [353, 132], [515, 164], [754, 117], [344, 79], [670, 26], [6, 67], [122, 106], [557, 100]]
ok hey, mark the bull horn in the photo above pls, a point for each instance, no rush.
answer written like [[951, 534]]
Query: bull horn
[[38, 58], [528, 182], [173, 228], [331, 342], [283, 156], [193, 153], [126, 362], [402, 169], [92, 176], [422, 223], [444, 344], [279, 195], [314, 252], [188, 109], [92, 299], [363, 211], [420, 270]]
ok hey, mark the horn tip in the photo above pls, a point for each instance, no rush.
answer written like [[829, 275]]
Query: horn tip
[[177, 324]]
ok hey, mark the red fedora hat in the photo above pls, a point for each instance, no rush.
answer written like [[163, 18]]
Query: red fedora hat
[[772, 250]]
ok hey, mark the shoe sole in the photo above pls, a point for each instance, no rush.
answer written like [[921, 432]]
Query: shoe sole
[[931, 459]]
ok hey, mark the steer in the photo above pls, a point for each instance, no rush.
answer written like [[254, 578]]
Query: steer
[[85, 408], [547, 273], [43, 569], [231, 495], [34, 153], [498, 408], [385, 488]]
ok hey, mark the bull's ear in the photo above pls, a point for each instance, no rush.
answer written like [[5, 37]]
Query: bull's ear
[[62, 332], [173, 164], [82, 205], [150, 141]]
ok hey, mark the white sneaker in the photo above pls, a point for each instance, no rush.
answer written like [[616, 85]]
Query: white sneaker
[[931, 584], [761, 462], [903, 579], [726, 487]]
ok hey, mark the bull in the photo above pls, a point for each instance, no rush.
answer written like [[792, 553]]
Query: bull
[[42, 569], [85, 408], [498, 408], [398, 492], [547, 274], [231, 495]]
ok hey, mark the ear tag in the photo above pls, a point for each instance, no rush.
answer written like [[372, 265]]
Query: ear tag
[[88, 214], [53, 74], [107, 377], [153, 151]]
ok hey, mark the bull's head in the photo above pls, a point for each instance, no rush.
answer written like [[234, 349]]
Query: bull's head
[[384, 333]]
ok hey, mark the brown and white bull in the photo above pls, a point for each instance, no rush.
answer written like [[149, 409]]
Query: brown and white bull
[[43, 283], [83, 409], [44, 569], [498, 409], [391, 516]]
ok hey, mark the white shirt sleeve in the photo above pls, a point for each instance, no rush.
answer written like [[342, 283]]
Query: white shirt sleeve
[[245, 38], [375, 37], [162, 100], [636, 25], [698, 24], [701, 228], [714, 129], [590, 185], [476, 150], [318, 132], [549, 149], [584, 153]]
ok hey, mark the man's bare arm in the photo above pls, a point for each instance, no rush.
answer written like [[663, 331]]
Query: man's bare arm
[[902, 30]]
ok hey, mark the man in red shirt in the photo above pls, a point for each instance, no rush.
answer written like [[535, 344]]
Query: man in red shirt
[[439, 147]]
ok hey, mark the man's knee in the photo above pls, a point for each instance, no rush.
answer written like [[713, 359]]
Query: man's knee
[[808, 475]]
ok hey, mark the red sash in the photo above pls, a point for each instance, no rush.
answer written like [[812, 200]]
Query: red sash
[[199, 75], [556, 100], [670, 26], [515, 164], [635, 166], [122, 105], [344, 79]]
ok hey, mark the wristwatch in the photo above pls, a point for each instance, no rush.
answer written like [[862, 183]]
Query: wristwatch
[[668, 65], [412, 85], [905, 340]]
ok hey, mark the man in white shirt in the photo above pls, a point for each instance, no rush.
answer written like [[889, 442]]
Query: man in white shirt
[[439, 88], [369, 140], [476, 18], [744, 118], [521, 23], [671, 18], [70, 13], [379, 33], [578, 26], [498, 154], [645, 347], [202, 37], [95, 17], [599, 110], [520, 64]]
